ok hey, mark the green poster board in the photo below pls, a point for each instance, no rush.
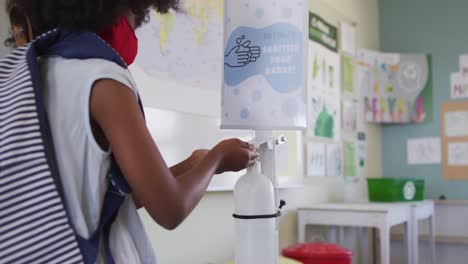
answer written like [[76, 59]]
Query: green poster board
[[323, 32]]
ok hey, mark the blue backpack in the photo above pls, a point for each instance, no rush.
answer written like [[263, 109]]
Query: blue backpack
[[34, 223]]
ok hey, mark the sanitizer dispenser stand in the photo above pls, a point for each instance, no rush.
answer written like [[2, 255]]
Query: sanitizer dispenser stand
[[264, 89]]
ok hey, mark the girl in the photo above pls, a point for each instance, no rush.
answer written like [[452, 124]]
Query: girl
[[92, 108]]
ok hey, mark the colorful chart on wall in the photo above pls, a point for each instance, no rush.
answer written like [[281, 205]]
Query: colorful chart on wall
[[264, 65], [395, 88], [184, 47]]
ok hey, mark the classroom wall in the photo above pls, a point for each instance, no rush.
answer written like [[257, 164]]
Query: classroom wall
[[439, 28], [435, 27], [207, 236]]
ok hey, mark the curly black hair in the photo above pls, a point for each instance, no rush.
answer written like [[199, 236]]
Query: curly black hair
[[81, 15]]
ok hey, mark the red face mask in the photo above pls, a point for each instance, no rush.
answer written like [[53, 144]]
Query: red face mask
[[122, 38]]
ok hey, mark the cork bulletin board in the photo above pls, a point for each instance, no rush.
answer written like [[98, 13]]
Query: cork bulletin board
[[454, 139]]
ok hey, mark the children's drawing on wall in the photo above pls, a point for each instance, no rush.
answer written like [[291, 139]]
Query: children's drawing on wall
[[316, 159], [349, 159], [458, 154], [459, 80], [324, 117], [348, 75], [395, 88], [458, 85], [423, 151], [350, 118], [334, 160], [324, 92], [325, 69], [456, 124]]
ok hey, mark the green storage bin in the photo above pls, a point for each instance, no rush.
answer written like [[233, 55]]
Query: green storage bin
[[395, 189]]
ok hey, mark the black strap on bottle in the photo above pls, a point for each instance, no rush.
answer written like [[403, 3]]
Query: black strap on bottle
[[251, 217]]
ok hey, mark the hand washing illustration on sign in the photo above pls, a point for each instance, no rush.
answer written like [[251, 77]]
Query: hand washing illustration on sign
[[276, 55], [242, 54], [263, 69]]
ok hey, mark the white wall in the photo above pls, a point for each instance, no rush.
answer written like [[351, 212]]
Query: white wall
[[207, 236]]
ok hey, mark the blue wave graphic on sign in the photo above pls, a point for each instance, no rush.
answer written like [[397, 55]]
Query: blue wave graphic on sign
[[276, 52]]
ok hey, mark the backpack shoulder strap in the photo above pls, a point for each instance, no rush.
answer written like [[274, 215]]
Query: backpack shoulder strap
[[85, 45]]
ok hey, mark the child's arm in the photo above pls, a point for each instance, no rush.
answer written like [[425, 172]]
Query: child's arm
[[189, 163], [167, 199], [181, 168]]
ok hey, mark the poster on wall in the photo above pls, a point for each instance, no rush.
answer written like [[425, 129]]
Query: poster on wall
[[395, 88], [184, 48], [459, 80], [348, 38], [456, 124], [458, 85], [265, 55], [454, 138], [423, 151], [324, 74], [463, 61]]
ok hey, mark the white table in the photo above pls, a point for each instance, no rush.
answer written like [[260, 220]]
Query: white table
[[374, 215], [422, 211]]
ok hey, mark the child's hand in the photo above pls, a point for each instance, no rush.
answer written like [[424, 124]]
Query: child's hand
[[235, 154]]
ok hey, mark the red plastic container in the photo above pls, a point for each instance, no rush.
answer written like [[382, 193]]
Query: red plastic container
[[319, 253]]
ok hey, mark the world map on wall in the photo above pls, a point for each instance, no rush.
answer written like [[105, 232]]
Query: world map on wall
[[184, 47]]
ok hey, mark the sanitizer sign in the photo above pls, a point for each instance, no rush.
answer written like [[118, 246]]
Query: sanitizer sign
[[264, 65]]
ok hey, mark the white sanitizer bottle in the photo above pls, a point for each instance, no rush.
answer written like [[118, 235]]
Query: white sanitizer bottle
[[255, 219]]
